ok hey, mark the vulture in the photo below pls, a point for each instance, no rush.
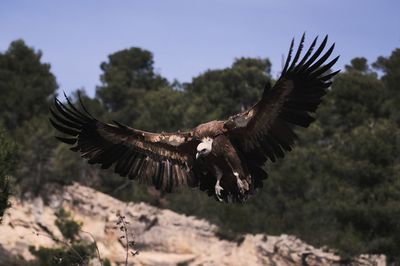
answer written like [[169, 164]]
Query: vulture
[[224, 158]]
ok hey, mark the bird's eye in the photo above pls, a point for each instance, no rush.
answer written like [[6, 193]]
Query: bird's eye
[[203, 150]]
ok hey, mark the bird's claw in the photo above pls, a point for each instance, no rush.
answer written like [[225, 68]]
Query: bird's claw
[[218, 190], [240, 186]]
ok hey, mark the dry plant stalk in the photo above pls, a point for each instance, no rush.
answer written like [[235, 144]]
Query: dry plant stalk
[[122, 226]]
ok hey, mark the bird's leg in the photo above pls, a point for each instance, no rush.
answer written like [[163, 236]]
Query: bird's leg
[[241, 185], [218, 190], [218, 187]]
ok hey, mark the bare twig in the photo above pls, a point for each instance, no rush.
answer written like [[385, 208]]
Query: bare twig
[[65, 243], [95, 245]]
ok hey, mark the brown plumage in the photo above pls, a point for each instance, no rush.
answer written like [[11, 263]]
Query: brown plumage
[[223, 158]]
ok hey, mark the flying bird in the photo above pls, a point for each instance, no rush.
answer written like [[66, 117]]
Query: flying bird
[[225, 158]]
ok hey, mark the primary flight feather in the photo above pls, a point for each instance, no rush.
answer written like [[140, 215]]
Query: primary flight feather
[[223, 158]]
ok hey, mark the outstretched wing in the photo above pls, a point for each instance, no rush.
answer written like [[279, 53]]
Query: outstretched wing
[[265, 130], [164, 160]]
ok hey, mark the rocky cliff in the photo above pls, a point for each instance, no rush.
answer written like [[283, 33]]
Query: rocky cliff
[[162, 236]]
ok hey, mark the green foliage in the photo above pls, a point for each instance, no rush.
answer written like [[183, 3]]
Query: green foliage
[[217, 94], [68, 227], [161, 110], [26, 86], [356, 96], [36, 140], [75, 255], [67, 166], [7, 165], [43, 159], [106, 262], [358, 64], [339, 195], [74, 251], [23, 74], [126, 76], [391, 78]]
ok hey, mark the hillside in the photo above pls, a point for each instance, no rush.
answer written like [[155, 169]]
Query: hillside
[[163, 237]]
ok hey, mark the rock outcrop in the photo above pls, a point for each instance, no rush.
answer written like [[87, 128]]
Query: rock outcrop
[[162, 236]]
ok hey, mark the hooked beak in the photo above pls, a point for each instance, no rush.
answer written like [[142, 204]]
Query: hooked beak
[[197, 155]]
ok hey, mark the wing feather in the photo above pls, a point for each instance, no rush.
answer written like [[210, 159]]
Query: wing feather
[[296, 57], [266, 130], [151, 158], [63, 129], [321, 60], [288, 57], [315, 55], [307, 55]]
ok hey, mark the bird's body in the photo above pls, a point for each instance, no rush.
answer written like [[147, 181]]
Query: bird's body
[[223, 167], [225, 158]]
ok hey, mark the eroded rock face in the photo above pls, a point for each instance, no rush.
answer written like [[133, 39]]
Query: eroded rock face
[[163, 237]]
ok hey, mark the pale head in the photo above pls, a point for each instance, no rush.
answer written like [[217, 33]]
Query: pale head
[[204, 148]]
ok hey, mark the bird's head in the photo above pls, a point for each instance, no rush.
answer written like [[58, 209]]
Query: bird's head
[[204, 148]]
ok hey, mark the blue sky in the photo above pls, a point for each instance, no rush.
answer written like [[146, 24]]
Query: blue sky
[[189, 37]]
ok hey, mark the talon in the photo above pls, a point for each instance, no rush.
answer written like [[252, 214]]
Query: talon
[[218, 190], [240, 184]]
